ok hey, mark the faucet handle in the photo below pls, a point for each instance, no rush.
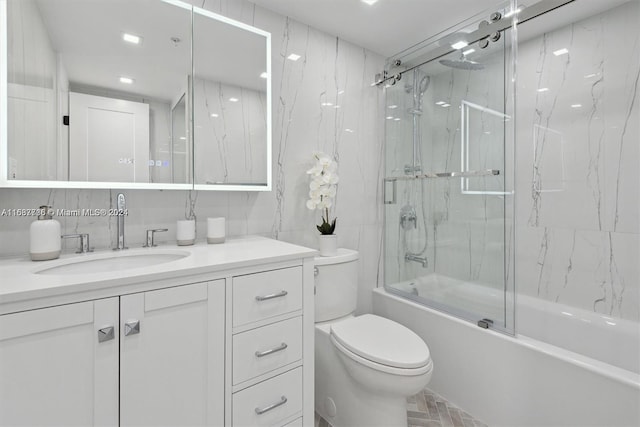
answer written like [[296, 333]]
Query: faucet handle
[[151, 235], [84, 242]]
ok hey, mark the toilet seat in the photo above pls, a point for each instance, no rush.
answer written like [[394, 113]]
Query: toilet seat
[[381, 344]]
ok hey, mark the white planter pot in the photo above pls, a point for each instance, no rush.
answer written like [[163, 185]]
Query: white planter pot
[[328, 244]]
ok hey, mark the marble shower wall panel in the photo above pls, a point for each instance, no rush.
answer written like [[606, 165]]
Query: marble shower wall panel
[[330, 70], [577, 162]]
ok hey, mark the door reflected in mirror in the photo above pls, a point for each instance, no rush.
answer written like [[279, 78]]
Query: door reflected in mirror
[[106, 93]]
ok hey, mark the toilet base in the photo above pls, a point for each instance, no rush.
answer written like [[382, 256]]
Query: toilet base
[[342, 401]]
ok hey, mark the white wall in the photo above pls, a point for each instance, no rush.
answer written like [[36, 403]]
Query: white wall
[[301, 125]]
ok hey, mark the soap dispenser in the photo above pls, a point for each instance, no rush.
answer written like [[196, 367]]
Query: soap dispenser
[[45, 242]]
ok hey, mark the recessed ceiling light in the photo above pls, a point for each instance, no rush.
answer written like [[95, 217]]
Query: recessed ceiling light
[[264, 75], [543, 89], [446, 105], [576, 105], [440, 103], [467, 52], [340, 92], [126, 80], [214, 115], [559, 52], [233, 100], [369, 2], [293, 57], [336, 106], [389, 117], [588, 76], [183, 138], [397, 119], [460, 44], [392, 106], [349, 130], [326, 104], [131, 38]]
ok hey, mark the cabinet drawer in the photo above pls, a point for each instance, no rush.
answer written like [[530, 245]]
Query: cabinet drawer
[[263, 295], [295, 423], [269, 402], [264, 349]]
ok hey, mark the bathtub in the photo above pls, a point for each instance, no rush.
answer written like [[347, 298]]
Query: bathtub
[[613, 341], [592, 380]]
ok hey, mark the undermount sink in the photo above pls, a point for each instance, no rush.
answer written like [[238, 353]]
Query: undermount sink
[[114, 262]]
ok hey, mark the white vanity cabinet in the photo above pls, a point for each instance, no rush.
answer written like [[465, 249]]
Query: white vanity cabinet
[[172, 356], [267, 347], [222, 339], [53, 368], [157, 354]]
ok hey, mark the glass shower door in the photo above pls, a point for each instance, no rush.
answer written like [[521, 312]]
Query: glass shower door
[[448, 198]]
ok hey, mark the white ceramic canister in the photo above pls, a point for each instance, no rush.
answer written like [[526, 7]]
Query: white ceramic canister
[[216, 230], [45, 242], [186, 232]]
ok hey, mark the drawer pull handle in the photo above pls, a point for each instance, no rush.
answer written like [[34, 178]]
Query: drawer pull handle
[[261, 411], [271, 351], [271, 296]]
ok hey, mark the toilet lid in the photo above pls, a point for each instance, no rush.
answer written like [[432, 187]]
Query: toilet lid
[[382, 341]]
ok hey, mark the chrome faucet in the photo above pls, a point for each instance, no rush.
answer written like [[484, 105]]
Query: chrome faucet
[[151, 237], [121, 207], [415, 258], [84, 242]]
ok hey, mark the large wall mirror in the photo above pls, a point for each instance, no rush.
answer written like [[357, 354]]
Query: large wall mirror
[[132, 94]]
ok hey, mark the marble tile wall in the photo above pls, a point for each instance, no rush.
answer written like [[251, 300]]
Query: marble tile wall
[[229, 136], [578, 204], [331, 71]]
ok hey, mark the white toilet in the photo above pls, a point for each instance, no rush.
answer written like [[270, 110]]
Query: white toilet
[[366, 366]]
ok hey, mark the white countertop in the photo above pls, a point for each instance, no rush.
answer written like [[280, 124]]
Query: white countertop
[[19, 281]]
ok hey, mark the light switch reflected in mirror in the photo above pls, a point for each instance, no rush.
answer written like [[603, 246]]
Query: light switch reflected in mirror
[[100, 94]]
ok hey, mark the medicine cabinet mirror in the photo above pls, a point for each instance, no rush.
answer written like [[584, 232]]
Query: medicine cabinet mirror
[[132, 94]]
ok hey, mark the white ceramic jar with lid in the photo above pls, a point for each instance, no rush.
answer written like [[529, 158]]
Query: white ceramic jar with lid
[[45, 241]]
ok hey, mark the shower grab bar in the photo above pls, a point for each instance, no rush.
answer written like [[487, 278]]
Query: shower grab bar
[[430, 175]]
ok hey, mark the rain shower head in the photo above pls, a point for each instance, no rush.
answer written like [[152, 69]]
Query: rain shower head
[[462, 64]]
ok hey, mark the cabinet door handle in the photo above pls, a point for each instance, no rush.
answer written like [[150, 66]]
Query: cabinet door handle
[[106, 334], [132, 327], [271, 296], [261, 411], [272, 350]]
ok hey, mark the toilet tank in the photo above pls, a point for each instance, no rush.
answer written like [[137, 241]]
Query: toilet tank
[[336, 285]]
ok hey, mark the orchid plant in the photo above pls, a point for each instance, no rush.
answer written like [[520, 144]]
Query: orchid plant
[[322, 189]]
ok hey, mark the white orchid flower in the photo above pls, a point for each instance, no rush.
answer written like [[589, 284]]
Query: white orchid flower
[[322, 189], [315, 170]]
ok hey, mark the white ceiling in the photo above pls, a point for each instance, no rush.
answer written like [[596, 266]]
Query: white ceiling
[[88, 37], [388, 26]]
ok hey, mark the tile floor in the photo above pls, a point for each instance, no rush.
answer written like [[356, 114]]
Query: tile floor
[[428, 409]]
